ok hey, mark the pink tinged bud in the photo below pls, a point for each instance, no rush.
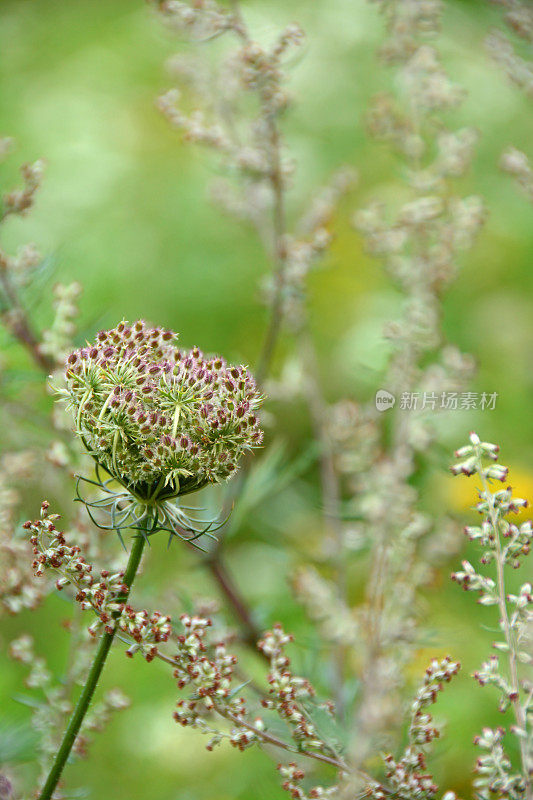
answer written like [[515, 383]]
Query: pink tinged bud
[[497, 472]]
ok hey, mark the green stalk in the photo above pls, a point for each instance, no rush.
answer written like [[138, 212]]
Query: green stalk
[[82, 706]]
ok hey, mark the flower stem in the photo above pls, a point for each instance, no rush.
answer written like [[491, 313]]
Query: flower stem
[[85, 698]]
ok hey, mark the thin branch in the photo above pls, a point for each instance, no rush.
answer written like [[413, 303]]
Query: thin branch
[[16, 321], [280, 256], [329, 487], [250, 632], [215, 563], [268, 738]]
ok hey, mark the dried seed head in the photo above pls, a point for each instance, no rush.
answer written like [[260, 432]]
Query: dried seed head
[[140, 407]]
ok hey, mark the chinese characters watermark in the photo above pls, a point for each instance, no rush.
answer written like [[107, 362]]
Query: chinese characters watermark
[[433, 401]]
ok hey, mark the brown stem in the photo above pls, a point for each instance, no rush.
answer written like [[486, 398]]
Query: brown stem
[[268, 738], [16, 321], [250, 633]]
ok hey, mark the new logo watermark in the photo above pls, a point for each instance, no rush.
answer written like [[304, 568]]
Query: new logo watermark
[[384, 400]]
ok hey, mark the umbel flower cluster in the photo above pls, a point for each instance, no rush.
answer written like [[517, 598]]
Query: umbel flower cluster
[[162, 421]]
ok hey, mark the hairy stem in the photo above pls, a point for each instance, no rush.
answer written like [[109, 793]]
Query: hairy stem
[[507, 631], [85, 698]]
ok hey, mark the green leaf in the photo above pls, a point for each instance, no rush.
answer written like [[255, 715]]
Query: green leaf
[[17, 742], [269, 475]]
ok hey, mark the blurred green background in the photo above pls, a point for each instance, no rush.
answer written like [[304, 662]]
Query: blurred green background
[[124, 209]]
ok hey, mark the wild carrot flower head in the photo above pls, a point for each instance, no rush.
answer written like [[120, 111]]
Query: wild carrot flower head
[[158, 418]]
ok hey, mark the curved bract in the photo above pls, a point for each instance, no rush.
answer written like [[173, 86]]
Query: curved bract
[[161, 421]]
